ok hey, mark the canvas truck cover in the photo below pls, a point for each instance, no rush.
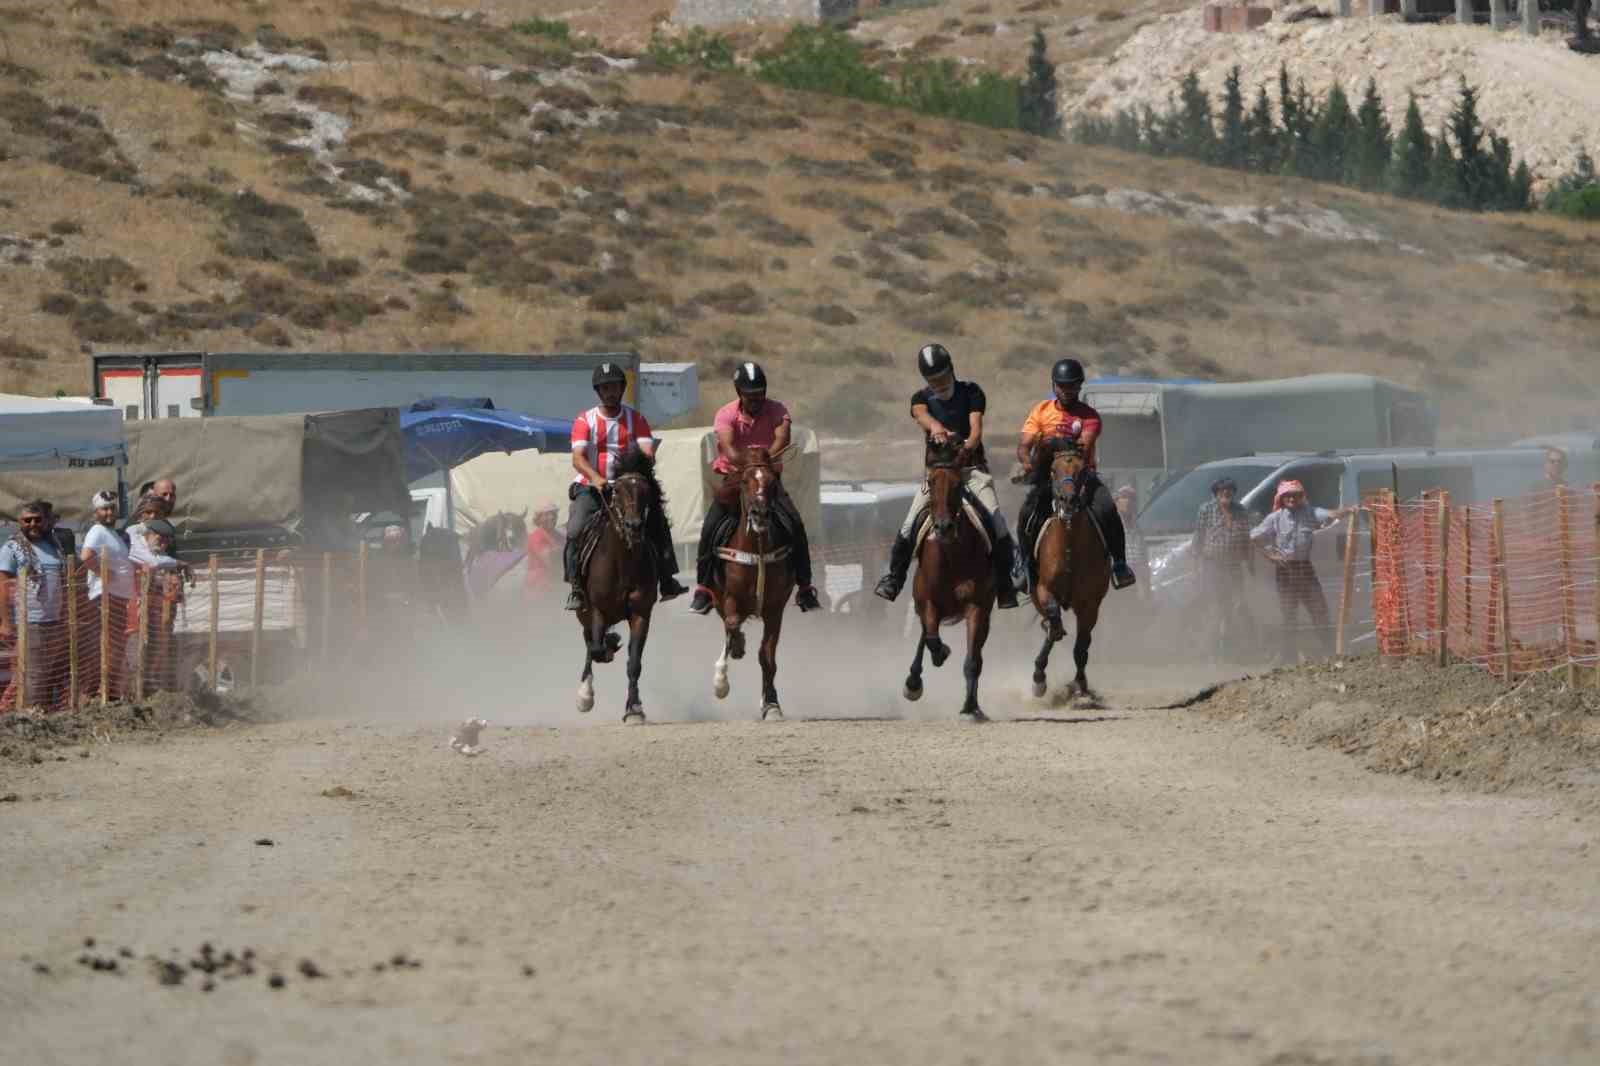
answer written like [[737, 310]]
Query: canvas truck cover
[[245, 472], [490, 484]]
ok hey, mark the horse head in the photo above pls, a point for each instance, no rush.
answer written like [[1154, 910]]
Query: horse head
[[756, 487], [1067, 467], [945, 483], [629, 507]]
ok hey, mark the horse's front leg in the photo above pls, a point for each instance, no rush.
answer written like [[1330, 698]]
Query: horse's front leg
[[913, 689], [586, 683], [972, 669], [938, 650], [638, 633], [594, 623], [1087, 617], [767, 655]]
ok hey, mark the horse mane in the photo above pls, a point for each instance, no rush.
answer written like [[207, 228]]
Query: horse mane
[[943, 454], [635, 461]]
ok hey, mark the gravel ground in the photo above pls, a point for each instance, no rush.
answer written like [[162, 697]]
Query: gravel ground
[[1120, 884]]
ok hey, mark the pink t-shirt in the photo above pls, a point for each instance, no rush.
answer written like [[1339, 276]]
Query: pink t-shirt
[[748, 432]]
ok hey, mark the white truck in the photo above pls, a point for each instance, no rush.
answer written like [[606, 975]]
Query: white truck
[[198, 384]]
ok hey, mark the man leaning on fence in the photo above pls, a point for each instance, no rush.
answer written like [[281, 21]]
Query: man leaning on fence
[[1287, 535], [151, 553], [104, 546], [38, 610]]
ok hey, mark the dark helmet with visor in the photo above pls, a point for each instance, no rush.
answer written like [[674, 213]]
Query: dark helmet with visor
[[608, 374], [1066, 372], [933, 360], [749, 377]]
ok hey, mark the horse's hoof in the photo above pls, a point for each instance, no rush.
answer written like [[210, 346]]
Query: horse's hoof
[[719, 688], [771, 712], [635, 716], [1039, 688], [939, 653], [585, 698], [913, 692], [613, 642], [973, 716]]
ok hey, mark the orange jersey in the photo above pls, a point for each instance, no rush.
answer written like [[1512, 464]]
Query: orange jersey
[[1076, 420]]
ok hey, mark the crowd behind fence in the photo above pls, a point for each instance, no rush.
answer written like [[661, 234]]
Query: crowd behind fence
[[1508, 585]]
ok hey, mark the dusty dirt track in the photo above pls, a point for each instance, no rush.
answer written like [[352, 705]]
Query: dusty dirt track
[[1117, 886]]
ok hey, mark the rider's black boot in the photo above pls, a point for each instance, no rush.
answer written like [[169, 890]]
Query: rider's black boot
[[575, 598], [890, 584], [1005, 596], [569, 561]]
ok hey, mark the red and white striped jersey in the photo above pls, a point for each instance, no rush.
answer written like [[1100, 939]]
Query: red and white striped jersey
[[603, 440]]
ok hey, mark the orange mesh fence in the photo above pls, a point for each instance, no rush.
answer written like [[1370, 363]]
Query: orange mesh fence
[[249, 618], [1509, 585]]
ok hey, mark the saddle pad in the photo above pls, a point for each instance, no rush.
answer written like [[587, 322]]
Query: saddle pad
[[1038, 538]]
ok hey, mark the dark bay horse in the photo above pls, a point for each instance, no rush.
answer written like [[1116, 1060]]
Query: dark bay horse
[[756, 580], [1073, 569], [620, 581], [954, 581]]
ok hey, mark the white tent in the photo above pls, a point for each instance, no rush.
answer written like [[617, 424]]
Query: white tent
[[493, 483], [41, 434]]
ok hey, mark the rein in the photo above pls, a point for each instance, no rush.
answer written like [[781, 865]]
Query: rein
[[614, 513]]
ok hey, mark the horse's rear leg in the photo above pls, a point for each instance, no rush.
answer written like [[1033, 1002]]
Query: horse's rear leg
[[638, 633], [972, 669], [586, 686], [767, 655]]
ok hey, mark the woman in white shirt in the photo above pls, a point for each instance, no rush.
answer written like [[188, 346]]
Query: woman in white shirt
[[103, 540]]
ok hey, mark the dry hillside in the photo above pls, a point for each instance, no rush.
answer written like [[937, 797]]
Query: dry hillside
[[355, 175]]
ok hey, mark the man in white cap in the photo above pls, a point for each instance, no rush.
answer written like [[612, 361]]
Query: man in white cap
[[103, 542]]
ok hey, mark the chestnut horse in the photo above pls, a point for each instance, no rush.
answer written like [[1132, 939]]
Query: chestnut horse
[[620, 583], [756, 580], [954, 580], [1073, 569]]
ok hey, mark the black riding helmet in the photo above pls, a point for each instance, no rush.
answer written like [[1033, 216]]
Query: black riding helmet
[[933, 360], [608, 374], [1066, 372], [750, 378]]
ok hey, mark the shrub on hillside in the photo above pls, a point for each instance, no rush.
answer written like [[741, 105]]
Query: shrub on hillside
[[696, 48]]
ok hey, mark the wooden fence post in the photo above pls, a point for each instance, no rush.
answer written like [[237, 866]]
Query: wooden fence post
[[327, 601], [167, 678], [72, 632], [1466, 577], [19, 664], [1353, 523], [1402, 597], [1430, 575], [105, 630], [216, 606], [144, 635], [1442, 604], [1505, 590], [255, 629]]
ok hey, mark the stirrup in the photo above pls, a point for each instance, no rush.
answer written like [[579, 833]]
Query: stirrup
[[889, 587], [1122, 576], [806, 599], [574, 600]]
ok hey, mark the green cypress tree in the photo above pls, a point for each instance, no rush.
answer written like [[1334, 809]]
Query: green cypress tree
[[1368, 165], [1498, 192], [1333, 137], [1444, 176], [1233, 148], [1474, 166], [1197, 137], [1521, 193], [1153, 130], [1040, 113], [1261, 135], [1288, 108], [1125, 134], [1412, 160]]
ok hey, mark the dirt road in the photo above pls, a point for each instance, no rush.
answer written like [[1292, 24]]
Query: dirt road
[[1117, 886]]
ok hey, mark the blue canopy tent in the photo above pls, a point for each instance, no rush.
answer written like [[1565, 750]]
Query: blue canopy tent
[[446, 431]]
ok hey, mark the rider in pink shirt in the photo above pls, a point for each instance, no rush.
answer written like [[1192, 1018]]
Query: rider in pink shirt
[[751, 421]]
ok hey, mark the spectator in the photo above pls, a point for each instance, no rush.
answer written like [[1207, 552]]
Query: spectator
[[544, 544], [66, 541], [151, 553], [150, 506], [1221, 550], [166, 489], [1288, 533], [40, 607], [1555, 471], [103, 541]]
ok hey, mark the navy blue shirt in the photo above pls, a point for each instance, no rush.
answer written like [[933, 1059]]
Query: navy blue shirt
[[955, 414]]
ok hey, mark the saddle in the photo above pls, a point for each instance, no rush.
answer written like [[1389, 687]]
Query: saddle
[[727, 495]]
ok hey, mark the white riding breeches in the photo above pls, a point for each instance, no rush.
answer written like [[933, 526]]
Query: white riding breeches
[[980, 484]]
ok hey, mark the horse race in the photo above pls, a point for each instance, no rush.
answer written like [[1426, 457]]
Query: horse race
[[799, 531]]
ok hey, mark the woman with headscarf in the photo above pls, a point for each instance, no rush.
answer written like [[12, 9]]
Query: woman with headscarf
[[1287, 534]]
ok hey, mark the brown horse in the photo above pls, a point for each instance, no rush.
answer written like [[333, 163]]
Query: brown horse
[[1073, 569], [620, 583], [954, 581], [757, 580]]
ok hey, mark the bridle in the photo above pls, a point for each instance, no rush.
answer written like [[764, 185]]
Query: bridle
[[632, 533], [1066, 486], [756, 505], [944, 529]]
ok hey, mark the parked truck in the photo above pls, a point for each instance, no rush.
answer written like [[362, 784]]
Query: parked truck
[[1155, 430], [196, 384]]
